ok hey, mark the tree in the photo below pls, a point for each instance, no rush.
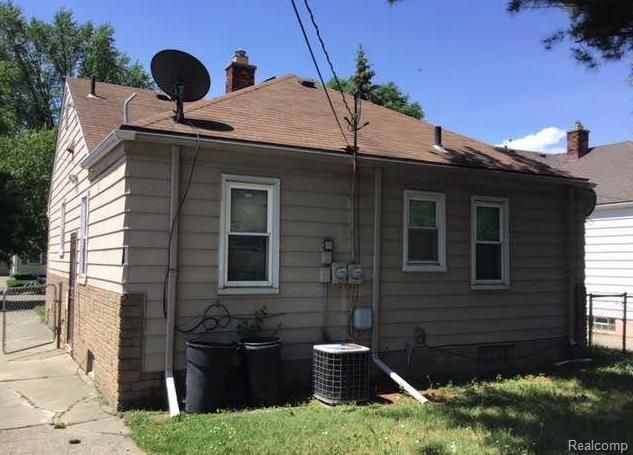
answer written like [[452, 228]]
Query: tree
[[362, 78], [11, 214], [35, 56], [25, 168], [388, 95], [599, 29]]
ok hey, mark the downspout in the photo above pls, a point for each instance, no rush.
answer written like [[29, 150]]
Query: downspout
[[375, 292], [571, 266], [172, 276]]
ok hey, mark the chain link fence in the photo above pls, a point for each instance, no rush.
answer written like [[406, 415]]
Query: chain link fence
[[609, 321], [27, 320]]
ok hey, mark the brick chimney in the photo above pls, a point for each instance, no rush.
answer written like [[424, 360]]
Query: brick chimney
[[577, 142], [239, 74]]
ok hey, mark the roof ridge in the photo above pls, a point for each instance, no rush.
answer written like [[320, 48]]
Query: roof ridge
[[84, 79], [147, 121], [417, 120], [515, 150], [612, 144], [413, 119]]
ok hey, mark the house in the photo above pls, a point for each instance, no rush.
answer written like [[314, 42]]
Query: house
[[609, 229], [470, 256], [31, 265]]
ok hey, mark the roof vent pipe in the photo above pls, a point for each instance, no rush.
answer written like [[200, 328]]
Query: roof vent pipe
[[125, 106], [438, 140], [93, 88]]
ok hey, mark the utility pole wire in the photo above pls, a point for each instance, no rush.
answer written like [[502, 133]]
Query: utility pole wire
[[327, 57], [316, 65]]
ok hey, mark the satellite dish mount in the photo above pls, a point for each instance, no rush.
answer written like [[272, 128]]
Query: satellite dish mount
[[181, 76]]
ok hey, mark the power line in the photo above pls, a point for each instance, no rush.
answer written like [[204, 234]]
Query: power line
[[327, 57], [316, 65]]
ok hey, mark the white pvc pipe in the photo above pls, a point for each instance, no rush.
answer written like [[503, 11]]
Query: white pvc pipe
[[125, 106], [571, 361], [375, 294], [174, 200], [398, 380]]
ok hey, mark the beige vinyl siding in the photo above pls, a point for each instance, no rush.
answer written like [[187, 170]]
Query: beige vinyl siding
[[106, 205], [315, 203], [443, 304]]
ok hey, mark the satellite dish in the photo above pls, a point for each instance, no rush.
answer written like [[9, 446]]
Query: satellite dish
[[181, 76], [589, 201]]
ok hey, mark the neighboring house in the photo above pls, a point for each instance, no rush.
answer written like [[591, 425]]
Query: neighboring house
[[609, 229], [31, 265], [461, 245]]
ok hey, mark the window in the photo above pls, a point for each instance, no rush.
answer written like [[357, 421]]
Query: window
[[249, 238], [490, 252], [83, 239], [604, 324], [35, 259], [424, 234], [62, 229]]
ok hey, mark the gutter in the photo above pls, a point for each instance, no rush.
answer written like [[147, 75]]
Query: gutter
[[120, 135], [172, 278], [375, 293], [109, 143], [614, 205]]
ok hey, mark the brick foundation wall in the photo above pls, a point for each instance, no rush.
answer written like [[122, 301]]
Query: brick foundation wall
[[110, 326]]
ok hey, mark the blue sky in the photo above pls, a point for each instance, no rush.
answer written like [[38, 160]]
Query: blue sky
[[474, 68]]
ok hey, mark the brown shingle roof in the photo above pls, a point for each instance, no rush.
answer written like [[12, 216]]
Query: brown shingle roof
[[284, 111], [102, 114], [610, 167]]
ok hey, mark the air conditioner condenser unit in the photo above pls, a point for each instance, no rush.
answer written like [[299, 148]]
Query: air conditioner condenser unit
[[341, 373]]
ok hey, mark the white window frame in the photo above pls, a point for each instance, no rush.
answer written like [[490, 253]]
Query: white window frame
[[440, 220], [62, 229], [606, 324], [503, 204], [82, 251], [271, 185]]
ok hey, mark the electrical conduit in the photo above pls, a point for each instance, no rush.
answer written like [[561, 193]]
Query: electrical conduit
[[170, 323], [375, 294]]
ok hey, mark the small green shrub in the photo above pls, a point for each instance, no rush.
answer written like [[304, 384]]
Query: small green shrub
[[41, 312], [15, 283], [253, 327], [24, 277]]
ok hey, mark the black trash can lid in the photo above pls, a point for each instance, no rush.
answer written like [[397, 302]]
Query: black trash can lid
[[201, 344]]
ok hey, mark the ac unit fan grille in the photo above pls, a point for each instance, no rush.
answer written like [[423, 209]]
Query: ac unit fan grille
[[341, 377]]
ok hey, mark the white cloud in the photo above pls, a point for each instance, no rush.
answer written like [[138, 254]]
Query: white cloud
[[547, 140]]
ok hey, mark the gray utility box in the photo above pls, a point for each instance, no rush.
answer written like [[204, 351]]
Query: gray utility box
[[340, 373]]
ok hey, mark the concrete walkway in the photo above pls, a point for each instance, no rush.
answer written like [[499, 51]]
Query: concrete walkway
[[47, 406]]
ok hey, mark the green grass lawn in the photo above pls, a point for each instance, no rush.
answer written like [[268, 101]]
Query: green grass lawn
[[525, 414]]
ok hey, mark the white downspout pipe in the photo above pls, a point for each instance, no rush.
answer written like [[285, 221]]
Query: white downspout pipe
[[174, 198], [375, 292]]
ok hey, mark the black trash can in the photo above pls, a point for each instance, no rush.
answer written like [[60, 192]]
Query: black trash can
[[207, 371], [262, 368]]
